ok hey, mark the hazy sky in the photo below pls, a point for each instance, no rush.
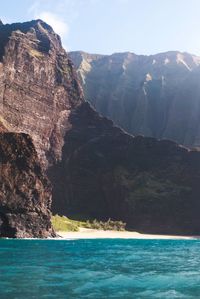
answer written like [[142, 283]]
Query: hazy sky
[[107, 26]]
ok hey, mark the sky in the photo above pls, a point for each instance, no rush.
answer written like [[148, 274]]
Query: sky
[[110, 26]]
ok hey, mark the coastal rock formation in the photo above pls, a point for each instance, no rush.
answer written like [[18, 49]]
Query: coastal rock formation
[[96, 169], [25, 193], [38, 85], [38, 90], [156, 95], [151, 185]]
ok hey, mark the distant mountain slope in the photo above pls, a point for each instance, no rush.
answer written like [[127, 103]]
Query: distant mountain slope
[[156, 95]]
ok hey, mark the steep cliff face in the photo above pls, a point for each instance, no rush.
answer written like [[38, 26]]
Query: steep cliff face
[[151, 185], [38, 91], [156, 95], [38, 86], [96, 169], [25, 193]]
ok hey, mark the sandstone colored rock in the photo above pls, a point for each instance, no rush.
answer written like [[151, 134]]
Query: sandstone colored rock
[[38, 90], [25, 192], [38, 85]]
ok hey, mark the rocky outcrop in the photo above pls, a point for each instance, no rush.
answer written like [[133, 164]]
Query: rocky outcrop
[[38, 85], [38, 89], [25, 193], [156, 95]]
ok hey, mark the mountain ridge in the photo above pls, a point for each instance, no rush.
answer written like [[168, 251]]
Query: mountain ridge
[[156, 95], [96, 169]]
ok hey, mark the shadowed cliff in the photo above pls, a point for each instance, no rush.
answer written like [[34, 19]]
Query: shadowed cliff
[[25, 192], [105, 173]]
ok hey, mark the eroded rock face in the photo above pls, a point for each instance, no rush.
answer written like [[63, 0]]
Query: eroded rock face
[[156, 95], [151, 185], [96, 169], [25, 193], [38, 86], [38, 91]]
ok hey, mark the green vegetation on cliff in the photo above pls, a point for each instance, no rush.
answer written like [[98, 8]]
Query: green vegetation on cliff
[[62, 223]]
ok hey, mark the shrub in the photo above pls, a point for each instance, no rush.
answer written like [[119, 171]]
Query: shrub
[[107, 225], [62, 223]]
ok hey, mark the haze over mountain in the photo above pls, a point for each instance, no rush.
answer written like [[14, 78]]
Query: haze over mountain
[[96, 169], [156, 95]]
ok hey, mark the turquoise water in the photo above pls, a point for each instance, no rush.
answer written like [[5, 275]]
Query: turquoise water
[[99, 269]]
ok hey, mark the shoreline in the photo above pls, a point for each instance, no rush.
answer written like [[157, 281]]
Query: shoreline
[[86, 233]]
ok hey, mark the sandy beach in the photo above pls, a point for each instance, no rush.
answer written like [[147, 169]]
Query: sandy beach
[[85, 233]]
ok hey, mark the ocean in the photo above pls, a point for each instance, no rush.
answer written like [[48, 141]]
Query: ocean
[[99, 269]]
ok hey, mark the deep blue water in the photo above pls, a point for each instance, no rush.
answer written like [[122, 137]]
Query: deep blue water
[[99, 269]]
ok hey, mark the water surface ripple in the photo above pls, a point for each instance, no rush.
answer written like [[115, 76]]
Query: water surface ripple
[[99, 269]]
